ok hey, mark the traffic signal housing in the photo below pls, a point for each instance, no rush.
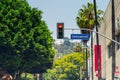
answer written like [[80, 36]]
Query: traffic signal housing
[[60, 30]]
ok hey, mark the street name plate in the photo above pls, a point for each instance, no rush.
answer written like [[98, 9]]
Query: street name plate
[[80, 36]]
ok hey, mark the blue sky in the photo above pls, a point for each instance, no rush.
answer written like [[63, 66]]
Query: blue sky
[[63, 11]]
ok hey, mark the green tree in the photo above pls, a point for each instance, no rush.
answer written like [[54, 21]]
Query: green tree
[[68, 67], [85, 17], [78, 48], [25, 40]]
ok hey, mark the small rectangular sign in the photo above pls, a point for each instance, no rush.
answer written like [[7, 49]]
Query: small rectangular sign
[[80, 36], [97, 50]]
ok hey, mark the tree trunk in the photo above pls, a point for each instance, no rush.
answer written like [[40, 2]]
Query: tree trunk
[[18, 75], [35, 77], [25, 76], [40, 76]]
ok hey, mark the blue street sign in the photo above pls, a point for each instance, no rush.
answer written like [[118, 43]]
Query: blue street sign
[[80, 36]]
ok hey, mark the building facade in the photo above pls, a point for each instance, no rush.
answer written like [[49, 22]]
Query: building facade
[[106, 44]]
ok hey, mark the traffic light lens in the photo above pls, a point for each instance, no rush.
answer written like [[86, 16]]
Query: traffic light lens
[[60, 26]]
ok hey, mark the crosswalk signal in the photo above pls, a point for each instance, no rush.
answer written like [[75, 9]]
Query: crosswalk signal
[[60, 30]]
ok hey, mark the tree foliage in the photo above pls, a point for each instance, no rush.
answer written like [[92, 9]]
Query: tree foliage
[[25, 40], [78, 48], [68, 67], [85, 17]]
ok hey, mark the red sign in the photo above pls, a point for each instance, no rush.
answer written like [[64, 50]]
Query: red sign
[[116, 71], [96, 49]]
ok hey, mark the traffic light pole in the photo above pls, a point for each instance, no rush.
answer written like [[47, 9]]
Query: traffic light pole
[[114, 41], [95, 32]]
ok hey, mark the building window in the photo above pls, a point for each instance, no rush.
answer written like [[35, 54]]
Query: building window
[[118, 40], [110, 50], [118, 22], [117, 27]]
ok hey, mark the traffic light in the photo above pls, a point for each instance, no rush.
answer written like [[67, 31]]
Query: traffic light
[[60, 30]]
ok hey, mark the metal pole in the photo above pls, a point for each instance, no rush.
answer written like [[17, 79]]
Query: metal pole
[[86, 62], [92, 56], [95, 32], [97, 41], [113, 37]]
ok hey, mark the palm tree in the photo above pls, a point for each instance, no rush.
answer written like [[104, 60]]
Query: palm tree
[[86, 19]]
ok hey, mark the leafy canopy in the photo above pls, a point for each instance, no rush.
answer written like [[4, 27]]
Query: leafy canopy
[[67, 67], [25, 40], [85, 17]]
